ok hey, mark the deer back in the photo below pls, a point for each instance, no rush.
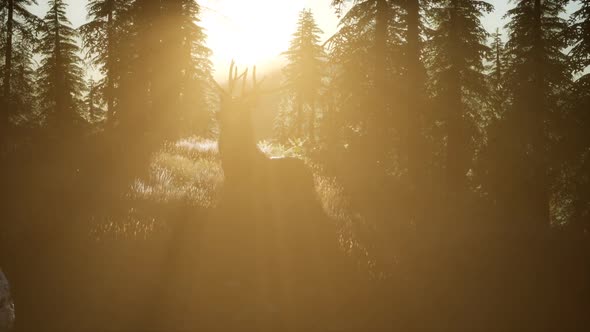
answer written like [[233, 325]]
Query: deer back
[[242, 161]]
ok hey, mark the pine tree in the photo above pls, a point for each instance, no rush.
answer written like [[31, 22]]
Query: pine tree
[[101, 40], [61, 76], [536, 77], [137, 65], [415, 92], [17, 21], [580, 28], [304, 71], [366, 53], [167, 67], [23, 88], [573, 182], [578, 121], [496, 72], [187, 59], [93, 102], [459, 48], [497, 58]]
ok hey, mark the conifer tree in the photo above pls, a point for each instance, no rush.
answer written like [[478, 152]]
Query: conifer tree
[[167, 67], [93, 102], [134, 85], [573, 182], [23, 90], [304, 72], [496, 71], [537, 76], [364, 50], [415, 80], [61, 76], [187, 63], [101, 40], [17, 20], [580, 27], [578, 121], [459, 82]]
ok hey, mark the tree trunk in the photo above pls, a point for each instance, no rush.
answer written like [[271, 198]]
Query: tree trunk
[[60, 88], [540, 207], [377, 118], [457, 140], [381, 36], [312, 116], [109, 67], [415, 79], [8, 53]]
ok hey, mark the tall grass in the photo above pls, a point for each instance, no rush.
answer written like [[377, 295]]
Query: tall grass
[[188, 170]]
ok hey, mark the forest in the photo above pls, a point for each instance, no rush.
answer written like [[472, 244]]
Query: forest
[[413, 171]]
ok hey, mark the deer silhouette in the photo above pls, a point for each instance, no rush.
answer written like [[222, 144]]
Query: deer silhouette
[[268, 242], [245, 166]]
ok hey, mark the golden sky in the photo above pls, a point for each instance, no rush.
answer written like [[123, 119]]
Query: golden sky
[[257, 31]]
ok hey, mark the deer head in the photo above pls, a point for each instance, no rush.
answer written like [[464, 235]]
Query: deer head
[[236, 109]]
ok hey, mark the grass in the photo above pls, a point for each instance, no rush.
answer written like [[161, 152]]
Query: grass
[[190, 170], [189, 173], [185, 181]]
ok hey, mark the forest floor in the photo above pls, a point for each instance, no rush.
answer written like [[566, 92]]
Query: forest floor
[[168, 257]]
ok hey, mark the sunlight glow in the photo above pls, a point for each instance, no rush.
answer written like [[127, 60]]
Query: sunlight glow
[[251, 32]]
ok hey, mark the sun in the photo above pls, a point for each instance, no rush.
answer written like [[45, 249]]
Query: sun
[[252, 32]]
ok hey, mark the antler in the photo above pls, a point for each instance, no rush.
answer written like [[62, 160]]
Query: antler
[[233, 78]]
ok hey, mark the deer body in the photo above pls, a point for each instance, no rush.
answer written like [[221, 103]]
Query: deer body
[[245, 167]]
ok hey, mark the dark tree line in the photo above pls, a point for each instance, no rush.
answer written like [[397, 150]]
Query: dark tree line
[[138, 90], [431, 96]]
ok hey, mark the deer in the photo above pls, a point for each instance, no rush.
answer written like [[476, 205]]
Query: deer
[[270, 239], [245, 166]]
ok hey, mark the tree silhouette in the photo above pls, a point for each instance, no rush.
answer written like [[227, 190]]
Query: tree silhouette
[[574, 182], [459, 47], [101, 40], [304, 72], [141, 42], [580, 28], [187, 59], [61, 76], [537, 76], [22, 104], [497, 70], [362, 51], [576, 142], [18, 20], [93, 102], [167, 67], [415, 78]]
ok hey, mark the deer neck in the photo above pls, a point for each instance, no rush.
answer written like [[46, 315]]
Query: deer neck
[[240, 155]]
